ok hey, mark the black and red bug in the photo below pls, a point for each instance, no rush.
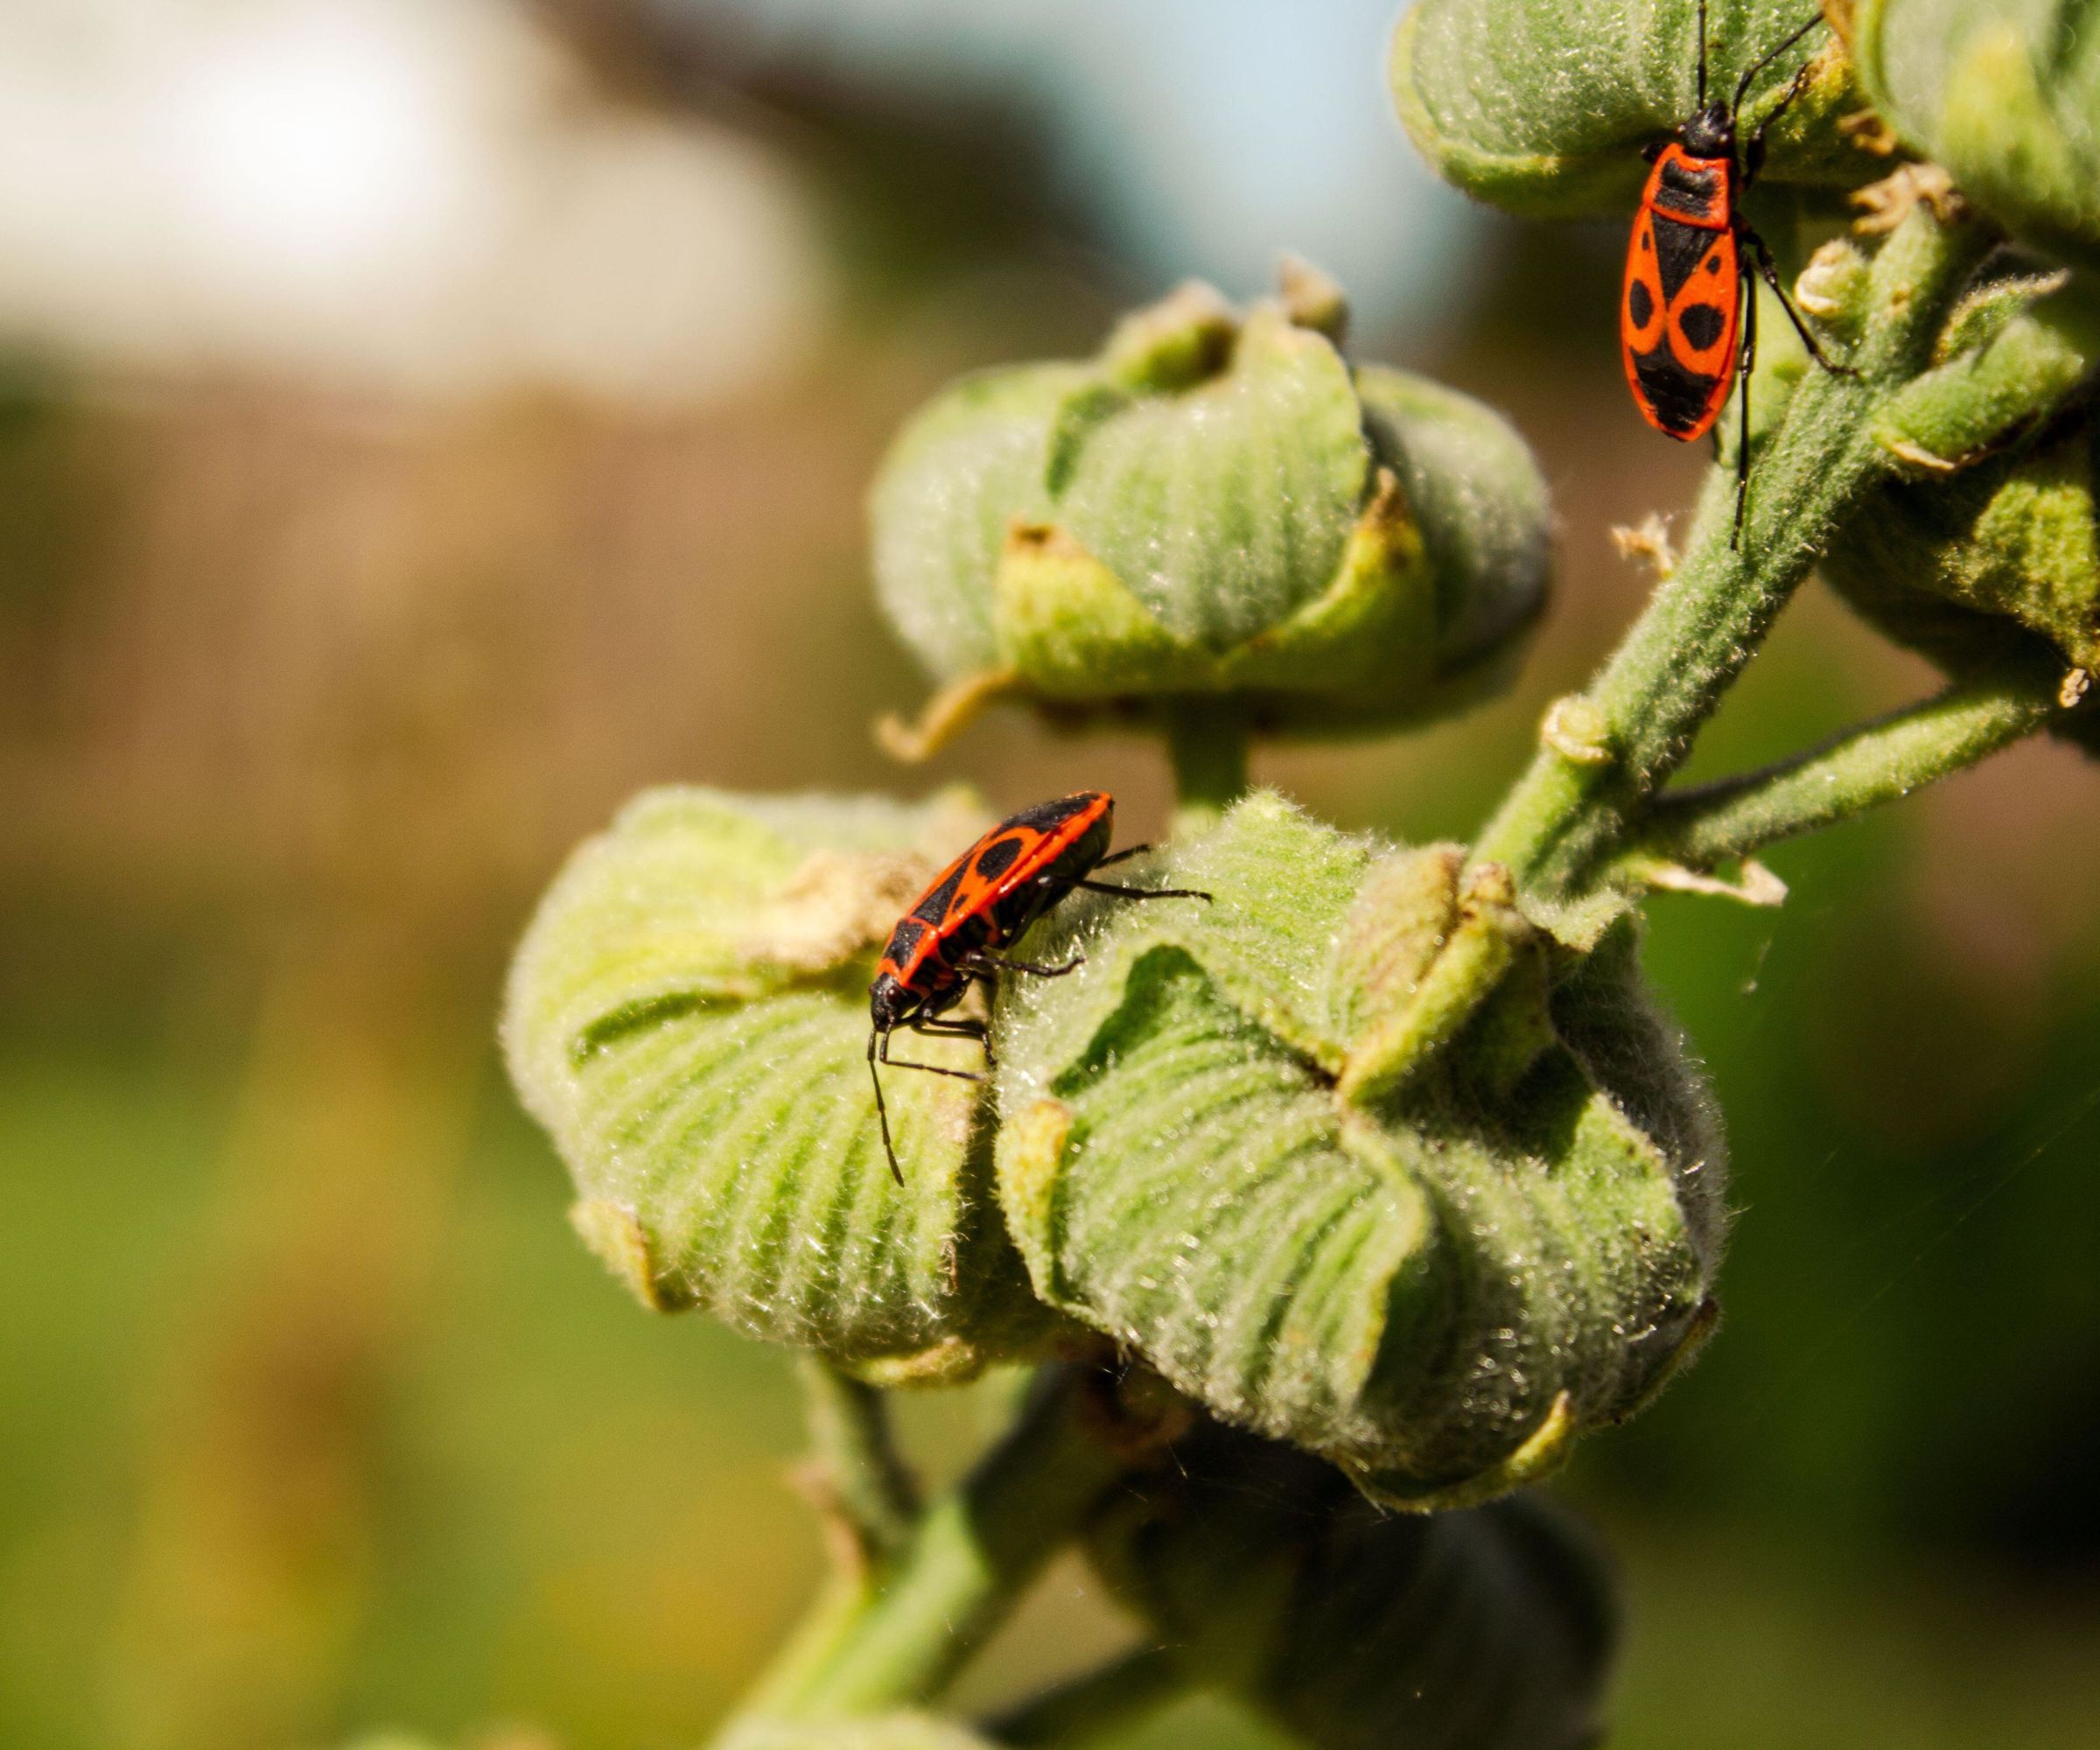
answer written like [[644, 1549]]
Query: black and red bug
[[1688, 310], [984, 901]]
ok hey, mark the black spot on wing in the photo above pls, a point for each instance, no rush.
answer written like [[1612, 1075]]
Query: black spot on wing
[[1677, 251], [935, 906], [1678, 396], [1044, 816], [997, 857], [1702, 323], [1640, 306]]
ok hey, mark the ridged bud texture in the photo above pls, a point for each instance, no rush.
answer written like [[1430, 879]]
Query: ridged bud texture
[[1542, 107], [1219, 507], [1354, 1157], [688, 1018]]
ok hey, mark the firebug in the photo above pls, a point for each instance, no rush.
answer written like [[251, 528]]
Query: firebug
[[1688, 310], [984, 901]]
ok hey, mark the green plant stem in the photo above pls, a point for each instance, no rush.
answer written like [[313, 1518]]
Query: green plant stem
[[1706, 621], [1094, 1705], [854, 1459], [1881, 763], [1208, 745], [897, 1636]]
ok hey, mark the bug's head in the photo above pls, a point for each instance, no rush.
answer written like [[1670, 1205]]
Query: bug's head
[[889, 1003], [1710, 132]]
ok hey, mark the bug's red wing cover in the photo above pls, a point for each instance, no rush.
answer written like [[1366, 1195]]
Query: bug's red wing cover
[[1680, 303]]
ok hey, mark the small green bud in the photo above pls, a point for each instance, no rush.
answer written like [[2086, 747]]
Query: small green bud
[[688, 1017], [2016, 367], [2007, 97], [1836, 287], [1218, 507], [1359, 1160], [1542, 107], [1984, 540], [1261, 1571], [875, 1731], [1962, 568]]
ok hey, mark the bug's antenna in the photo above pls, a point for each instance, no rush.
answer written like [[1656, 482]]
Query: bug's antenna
[[1702, 53], [882, 1113], [1763, 61]]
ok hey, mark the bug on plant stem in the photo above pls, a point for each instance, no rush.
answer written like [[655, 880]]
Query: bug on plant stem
[[1688, 310], [982, 901]]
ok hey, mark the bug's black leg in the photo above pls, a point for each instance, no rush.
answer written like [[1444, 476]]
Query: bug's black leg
[[979, 1031], [985, 957], [946, 1029], [941, 1029], [1745, 362], [1142, 893], [882, 1110], [930, 1068], [1753, 148], [1127, 852], [1770, 271], [1742, 87]]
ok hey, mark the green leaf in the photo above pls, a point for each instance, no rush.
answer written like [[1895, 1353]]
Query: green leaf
[[1435, 1279], [1543, 105], [688, 1018], [2006, 94], [1261, 1571]]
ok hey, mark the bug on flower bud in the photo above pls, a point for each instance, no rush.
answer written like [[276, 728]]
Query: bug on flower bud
[[982, 902]]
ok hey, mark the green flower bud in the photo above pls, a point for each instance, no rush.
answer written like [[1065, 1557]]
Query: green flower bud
[[1261, 1571], [1967, 568], [1542, 107], [1359, 1160], [2007, 97], [688, 1017], [876, 1731], [1217, 506], [1956, 413], [1983, 540]]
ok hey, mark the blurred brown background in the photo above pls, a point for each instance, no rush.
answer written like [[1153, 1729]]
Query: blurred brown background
[[420, 427]]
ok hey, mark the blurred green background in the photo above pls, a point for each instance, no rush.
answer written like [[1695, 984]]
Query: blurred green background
[[420, 428]]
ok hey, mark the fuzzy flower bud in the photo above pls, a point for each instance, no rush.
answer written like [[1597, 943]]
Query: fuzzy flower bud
[[1542, 107], [2005, 97], [1263, 1574], [1359, 1160], [688, 1017], [1984, 537], [1219, 507]]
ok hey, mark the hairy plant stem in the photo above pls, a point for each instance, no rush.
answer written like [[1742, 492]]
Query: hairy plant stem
[[1208, 747], [893, 1633], [1096, 1704], [922, 1587], [1878, 763], [855, 1468], [1708, 618]]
